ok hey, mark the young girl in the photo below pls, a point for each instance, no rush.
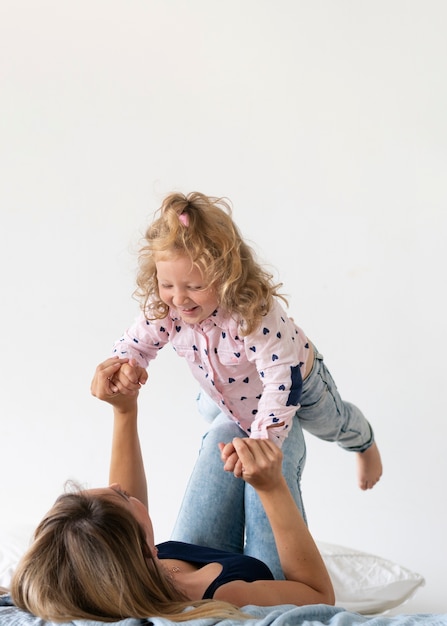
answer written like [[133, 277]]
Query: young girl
[[202, 290]]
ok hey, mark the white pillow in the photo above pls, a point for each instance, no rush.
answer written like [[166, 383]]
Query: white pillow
[[365, 583], [13, 543]]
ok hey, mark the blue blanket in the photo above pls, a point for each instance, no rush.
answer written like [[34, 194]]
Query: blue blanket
[[283, 615]]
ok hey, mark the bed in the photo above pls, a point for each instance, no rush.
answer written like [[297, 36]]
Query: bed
[[366, 587]]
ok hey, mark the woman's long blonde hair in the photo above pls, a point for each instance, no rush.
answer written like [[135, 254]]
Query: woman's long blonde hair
[[90, 560], [201, 227]]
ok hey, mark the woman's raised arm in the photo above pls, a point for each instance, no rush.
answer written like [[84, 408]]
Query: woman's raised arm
[[126, 462], [307, 580]]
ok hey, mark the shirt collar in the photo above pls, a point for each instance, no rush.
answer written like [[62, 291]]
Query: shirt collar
[[219, 318]]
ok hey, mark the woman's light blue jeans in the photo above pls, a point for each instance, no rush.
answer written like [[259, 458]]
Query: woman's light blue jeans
[[222, 511]]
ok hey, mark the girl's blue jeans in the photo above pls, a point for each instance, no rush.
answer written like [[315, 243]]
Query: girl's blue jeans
[[221, 511]]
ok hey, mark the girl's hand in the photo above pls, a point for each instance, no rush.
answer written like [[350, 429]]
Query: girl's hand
[[230, 459], [128, 379]]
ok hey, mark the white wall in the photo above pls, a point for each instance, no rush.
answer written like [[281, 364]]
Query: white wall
[[324, 122]]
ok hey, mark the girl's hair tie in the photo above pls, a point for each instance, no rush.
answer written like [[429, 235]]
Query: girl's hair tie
[[184, 219]]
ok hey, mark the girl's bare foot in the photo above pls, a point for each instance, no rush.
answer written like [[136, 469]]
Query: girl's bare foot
[[369, 467]]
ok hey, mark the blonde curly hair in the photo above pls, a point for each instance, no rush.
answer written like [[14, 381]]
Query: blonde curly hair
[[201, 227]]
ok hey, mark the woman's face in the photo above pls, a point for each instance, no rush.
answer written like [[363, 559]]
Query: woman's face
[[137, 508]]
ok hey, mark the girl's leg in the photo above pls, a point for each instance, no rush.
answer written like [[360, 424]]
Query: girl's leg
[[324, 414], [259, 537], [212, 511]]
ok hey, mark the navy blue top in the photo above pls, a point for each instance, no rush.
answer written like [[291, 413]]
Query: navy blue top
[[234, 566]]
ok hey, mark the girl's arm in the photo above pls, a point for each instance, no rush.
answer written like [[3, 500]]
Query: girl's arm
[[307, 580], [139, 345], [126, 463], [280, 352]]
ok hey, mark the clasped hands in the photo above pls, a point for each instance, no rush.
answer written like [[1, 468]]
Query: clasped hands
[[257, 461], [118, 381]]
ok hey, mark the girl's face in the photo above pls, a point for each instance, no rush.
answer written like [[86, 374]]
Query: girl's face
[[181, 286]]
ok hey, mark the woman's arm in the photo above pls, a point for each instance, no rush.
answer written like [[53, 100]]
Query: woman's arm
[[307, 580], [126, 463]]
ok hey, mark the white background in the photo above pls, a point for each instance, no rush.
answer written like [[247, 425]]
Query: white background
[[325, 124]]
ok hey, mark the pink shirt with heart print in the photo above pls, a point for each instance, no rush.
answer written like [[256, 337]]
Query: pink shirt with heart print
[[256, 380]]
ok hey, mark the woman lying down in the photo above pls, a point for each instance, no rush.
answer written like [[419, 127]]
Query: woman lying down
[[94, 555]]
